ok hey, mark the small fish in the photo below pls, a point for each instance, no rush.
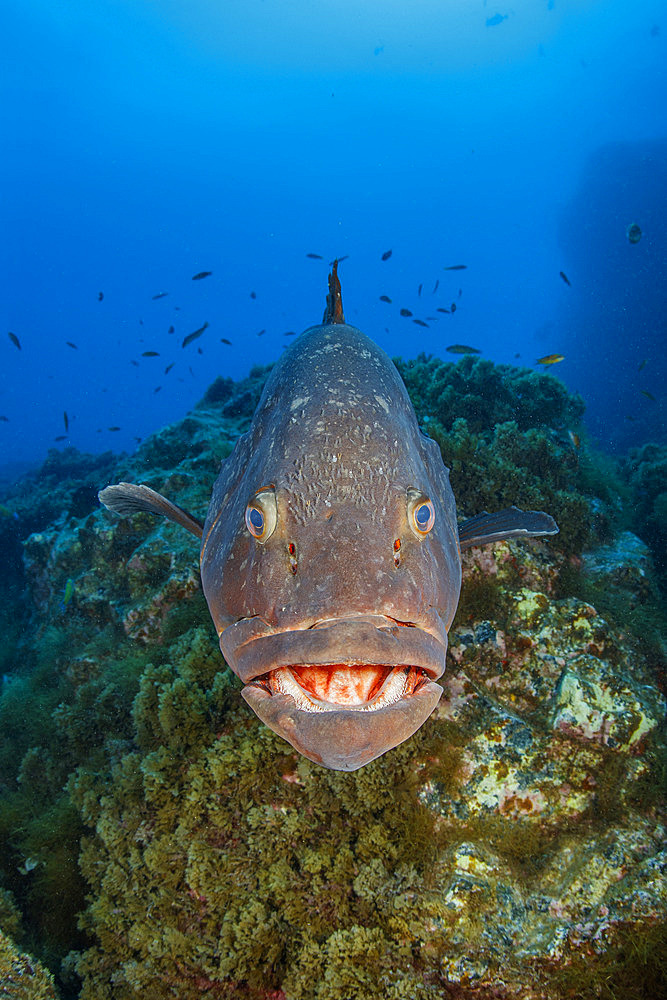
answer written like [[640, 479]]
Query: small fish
[[223, 340], [68, 593], [201, 274], [157, 388], [160, 295], [171, 329], [420, 322], [550, 359], [61, 437], [290, 333], [491, 22], [456, 267], [575, 440], [253, 295], [135, 363], [66, 420], [15, 340], [141, 322], [405, 312], [419, 290], [462, 349], [339, 260], [100, 296], [261, 333], [441, 309], [387, 254], [4, 419], [199, 350], [6, 512], [642, 365], [113, 428], [193, 336], [435, 287], [649, 395], [628, 417], [30, 865], [168, 368], [565, 278], [633, 232], [150, 354], [70, 344], [452, 308], [385, 298], [315, 256]]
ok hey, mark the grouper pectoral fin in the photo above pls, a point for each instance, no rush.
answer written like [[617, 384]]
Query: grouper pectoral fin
[[508, 523], [130, 498]]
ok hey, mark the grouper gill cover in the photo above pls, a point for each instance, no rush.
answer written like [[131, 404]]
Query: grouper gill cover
[[330, 554]]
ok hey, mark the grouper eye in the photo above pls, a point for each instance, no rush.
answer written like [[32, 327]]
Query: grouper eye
[[261, 514], [421, 512]]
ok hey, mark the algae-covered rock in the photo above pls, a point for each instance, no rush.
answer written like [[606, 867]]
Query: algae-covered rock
[[517, 830], [21, 976], [511, 848]]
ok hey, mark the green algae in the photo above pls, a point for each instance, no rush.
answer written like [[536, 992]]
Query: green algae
[[632, 965], [21, 976], [507, 467], [485, 394], [262, 848]]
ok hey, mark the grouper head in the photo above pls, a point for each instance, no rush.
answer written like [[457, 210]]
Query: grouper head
[[330, 554]]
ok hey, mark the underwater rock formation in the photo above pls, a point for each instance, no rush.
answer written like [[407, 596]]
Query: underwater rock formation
[[645, 471], [512, 848], [518, 832]]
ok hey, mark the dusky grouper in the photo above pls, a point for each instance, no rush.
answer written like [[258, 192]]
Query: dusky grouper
[[330, 554]]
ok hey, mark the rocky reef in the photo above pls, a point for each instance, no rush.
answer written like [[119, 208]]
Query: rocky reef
[[157, 840]]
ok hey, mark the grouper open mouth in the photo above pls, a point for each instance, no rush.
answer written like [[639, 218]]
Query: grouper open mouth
[[343, 691], [351, 686]]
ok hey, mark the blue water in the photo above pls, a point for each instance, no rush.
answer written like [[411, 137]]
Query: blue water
[[144, 142]]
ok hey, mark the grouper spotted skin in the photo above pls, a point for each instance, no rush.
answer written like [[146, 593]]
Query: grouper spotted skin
[[330, 554]]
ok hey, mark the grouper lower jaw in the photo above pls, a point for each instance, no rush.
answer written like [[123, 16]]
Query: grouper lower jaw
[[343, 739]]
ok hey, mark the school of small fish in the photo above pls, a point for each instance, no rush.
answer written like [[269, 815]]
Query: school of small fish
[[633, 233]]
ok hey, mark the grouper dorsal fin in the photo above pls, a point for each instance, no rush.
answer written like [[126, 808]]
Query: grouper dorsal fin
[[130, 498], [509, 523], [334, 310]]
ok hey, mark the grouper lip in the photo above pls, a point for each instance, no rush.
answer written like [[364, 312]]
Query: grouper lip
[[403, 664], [251, 647]]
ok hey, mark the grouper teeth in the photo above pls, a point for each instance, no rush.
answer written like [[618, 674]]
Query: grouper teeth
[[395, 686]]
